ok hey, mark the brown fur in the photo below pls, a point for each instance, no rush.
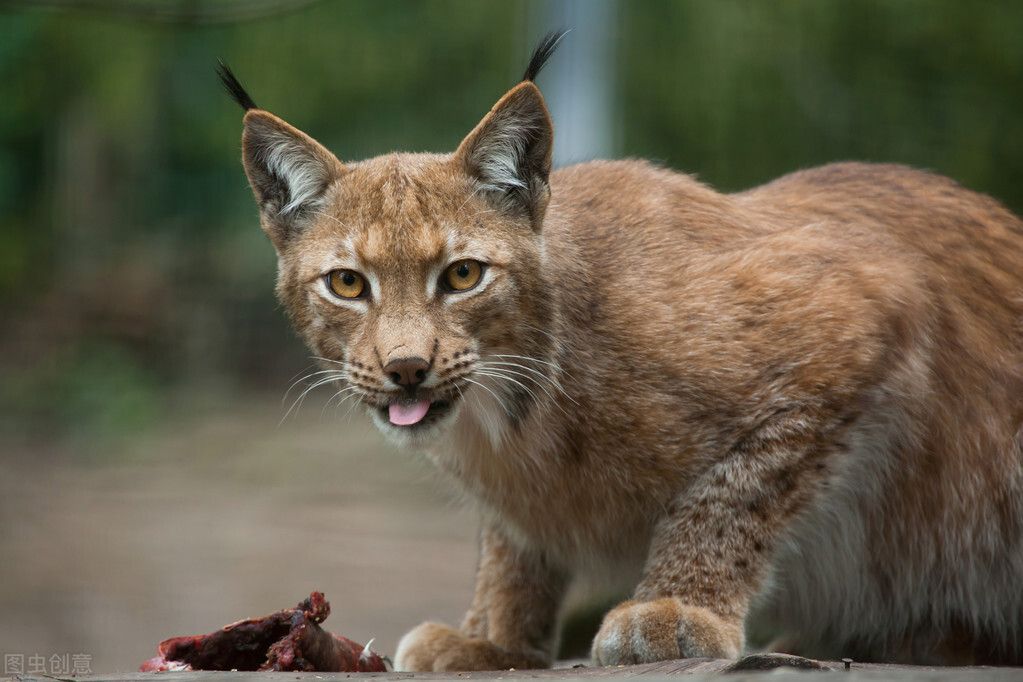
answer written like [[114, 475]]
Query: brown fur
[[794, 410]]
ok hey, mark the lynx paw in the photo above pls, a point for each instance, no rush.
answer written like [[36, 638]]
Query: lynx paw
[[644, 632], [435, 647]]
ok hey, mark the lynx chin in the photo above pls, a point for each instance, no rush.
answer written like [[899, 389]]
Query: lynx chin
[[794, 412]]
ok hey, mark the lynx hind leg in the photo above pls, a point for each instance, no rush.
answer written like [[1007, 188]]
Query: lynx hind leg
[[663, 629]]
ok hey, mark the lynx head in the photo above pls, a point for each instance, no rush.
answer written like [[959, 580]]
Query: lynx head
[[416, 279]]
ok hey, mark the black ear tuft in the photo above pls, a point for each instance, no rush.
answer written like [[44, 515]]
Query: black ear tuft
[[543, 52], [233, 87]]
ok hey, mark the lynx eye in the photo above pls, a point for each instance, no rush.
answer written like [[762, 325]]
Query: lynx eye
[[346, 284], [462, 275]]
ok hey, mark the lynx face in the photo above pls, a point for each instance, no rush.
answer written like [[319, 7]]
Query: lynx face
[[409, 298], [415, 279]]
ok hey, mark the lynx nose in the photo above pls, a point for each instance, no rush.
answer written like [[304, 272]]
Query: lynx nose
[[407, 372]]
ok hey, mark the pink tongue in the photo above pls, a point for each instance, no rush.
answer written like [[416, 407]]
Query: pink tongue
[[406, 414]]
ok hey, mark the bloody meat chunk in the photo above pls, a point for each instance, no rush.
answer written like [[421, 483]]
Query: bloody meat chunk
[[287, 640]]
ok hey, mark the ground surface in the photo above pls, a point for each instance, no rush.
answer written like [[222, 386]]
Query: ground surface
[[216, 515], [221, 514], [693, 669]]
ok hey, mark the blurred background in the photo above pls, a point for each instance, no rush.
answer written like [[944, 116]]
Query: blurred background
[[151, 484]]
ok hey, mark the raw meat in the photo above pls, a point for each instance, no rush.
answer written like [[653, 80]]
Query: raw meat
[[287, 640]]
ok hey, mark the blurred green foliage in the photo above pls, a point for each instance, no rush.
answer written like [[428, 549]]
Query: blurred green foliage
[[131, 264], [744, 91]]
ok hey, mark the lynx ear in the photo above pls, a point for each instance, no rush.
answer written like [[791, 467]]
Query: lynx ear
[[288, 170], [509, 153]]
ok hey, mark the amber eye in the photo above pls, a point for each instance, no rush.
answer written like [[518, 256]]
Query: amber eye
[[345, 283], [463, 275]]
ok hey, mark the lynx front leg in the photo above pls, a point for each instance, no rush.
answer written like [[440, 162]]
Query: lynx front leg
[[510, 623], [709, 557]]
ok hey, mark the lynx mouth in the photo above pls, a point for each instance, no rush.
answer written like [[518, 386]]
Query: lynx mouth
[[416, 413]]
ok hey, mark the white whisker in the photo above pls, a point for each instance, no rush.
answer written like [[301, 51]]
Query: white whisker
[[487, 389], [534, 376], [556, 366], [496, 373], [505, 377], [345, 394], [467, 199], [552, 337], [463, 224], [332, 376], [551, 381], [494, 433], [338, 394], [332, 218], [336, 362], [302, 378]]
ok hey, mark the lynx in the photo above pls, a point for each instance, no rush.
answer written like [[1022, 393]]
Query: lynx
[[796, 409]]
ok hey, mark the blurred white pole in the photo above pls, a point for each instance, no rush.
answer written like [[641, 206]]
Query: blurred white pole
[[579, 80]]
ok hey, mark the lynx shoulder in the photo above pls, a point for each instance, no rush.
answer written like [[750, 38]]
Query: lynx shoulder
[[795, 412]]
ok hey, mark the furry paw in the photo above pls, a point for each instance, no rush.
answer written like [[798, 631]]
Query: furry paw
[[432, 647], [644, 632]]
